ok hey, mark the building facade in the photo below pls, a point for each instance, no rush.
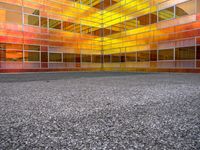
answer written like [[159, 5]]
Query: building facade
[[110, 35]]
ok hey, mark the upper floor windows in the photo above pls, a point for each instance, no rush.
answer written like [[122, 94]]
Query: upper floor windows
[[166, 14], [55, 24]]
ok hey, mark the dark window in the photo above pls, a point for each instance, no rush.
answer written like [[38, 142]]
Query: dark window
[[107, 59], [143, 20], [153, 55], [43, 22], [55, 57], [31, 20], [123, 57], [153, 17], [186, 8], [131, 57], [198, 52], [32, 56], [143, 56], [68, 26], [166, 54], [116, 58], [96, 58], [78, 58], [67, 57], [86, 58], [166, 14], [131, 24], [185, 53], [44, 57], [54, 24]]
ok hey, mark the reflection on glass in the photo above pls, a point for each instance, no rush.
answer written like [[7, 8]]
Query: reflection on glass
[[31, 20], [54, 24], [166, 14], [55, 57], [166, 54], [32, 56], [185, 53], [186, 8]]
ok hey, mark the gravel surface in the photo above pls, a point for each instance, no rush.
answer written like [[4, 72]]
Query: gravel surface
[[100, 111]]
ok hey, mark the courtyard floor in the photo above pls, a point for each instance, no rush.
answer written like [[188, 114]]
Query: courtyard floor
[[100, 111]]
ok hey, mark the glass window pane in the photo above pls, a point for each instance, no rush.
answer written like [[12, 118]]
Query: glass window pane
[[55, 57], [96, 58], [86, 58], [166, 54], [198, 52], [2, 55], [153, 17], [131, 57], [153, 55], [68, 26], [166, 14], [186, 8], [185, 53], [14, 55], [143, 56], [32, 47], [44, 57], [107, 58], [31, 20], [115, 58], [43, 22], [32, 56], [67, 57], [54, 24], [143, 20], [131, 24]]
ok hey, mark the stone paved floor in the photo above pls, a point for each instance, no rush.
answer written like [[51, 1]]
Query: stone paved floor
[[100, 111]]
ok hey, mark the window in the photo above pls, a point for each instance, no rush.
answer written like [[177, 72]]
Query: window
[[185, 53], [68, 26], [31, 20], [2, 55], [107, 58], [131, 57], [12, 55], [198, 52], [32, 56], [43, 22], [143, 20], [166, 14], [55, 57], [54, 24], [116, 58], [44, 57], [78, 58], [131, 24], [32, 47], [67, 57], [86, 58], [153, 55], [96, 58], [153, 17], [143, 56], [186, 8], [166, 54]]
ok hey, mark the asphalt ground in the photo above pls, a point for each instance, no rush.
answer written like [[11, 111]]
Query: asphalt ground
[[100, 111]]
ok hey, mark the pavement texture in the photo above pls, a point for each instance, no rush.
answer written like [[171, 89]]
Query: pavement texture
[[100, 111]]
